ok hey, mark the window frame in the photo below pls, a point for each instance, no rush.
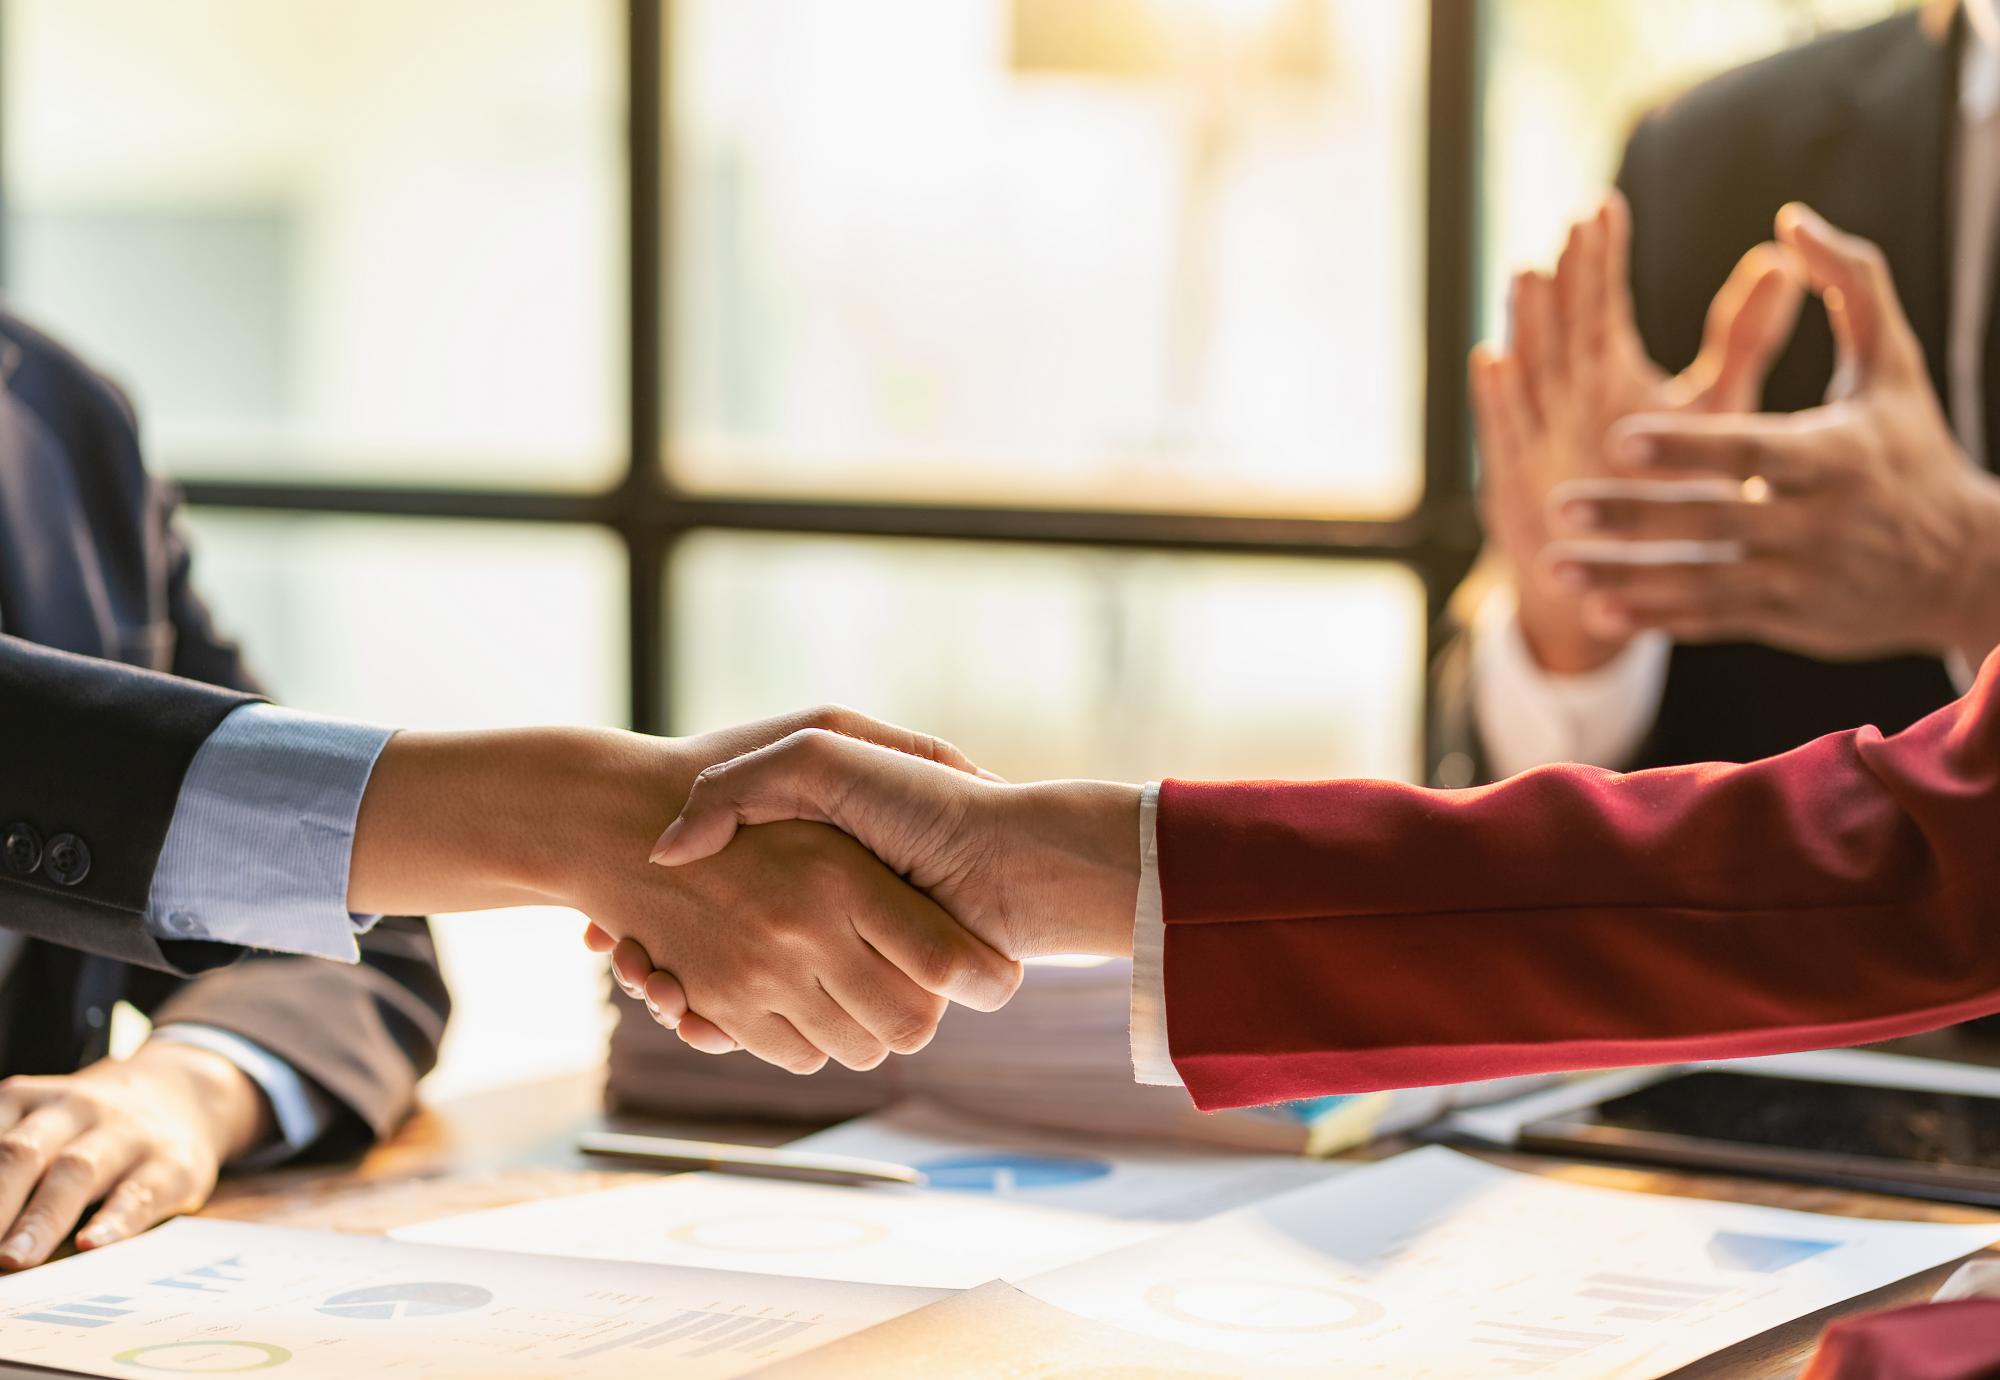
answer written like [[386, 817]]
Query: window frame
[[649, 513]]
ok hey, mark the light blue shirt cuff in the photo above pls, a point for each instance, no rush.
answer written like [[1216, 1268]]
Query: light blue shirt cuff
[[258, 850], [301, 1111]]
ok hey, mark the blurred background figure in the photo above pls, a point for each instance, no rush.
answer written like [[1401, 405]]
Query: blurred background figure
[[1116, 347], [1892, 130]]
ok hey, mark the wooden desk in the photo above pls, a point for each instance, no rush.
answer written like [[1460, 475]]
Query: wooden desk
[[517, 1145]]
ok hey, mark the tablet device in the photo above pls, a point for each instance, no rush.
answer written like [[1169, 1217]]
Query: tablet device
[[1923, 1142]]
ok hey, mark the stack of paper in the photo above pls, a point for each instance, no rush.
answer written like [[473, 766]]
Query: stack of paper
[[1058, 1056]]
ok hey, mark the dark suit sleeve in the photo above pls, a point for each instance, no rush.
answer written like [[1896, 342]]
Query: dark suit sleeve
[[1349, 936], [96, 751], [364, 1032]]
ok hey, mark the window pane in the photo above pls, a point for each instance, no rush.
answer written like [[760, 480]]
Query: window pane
[[1052, 662], [1146, 253], [422, 623], [1566, 81], [349, 238], [446, 624]]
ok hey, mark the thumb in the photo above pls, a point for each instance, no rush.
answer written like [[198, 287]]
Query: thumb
[[1749, 323], [872, 793], [787, 779], [1872, 334]]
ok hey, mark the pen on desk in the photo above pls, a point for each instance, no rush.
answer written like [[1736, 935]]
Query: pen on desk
[[748, 1159]]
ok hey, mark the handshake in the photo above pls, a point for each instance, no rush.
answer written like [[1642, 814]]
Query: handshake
[[829, 885]]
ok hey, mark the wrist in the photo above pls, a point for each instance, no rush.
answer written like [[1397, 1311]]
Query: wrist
[[1974, 629], [1070, 854], [1560, 639], [228, 1100], [470, 821]]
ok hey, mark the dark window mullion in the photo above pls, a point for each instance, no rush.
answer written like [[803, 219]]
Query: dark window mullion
[[647, 548]]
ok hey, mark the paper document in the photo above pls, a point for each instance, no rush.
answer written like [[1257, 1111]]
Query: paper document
[[873, 1235], [201, 1297], [1133, 1179], [1434, 1264]]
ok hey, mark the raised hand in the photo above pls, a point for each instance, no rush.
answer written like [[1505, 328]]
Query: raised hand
[[1573, 366], [1047, 868], [143, 1137], [1863, 529]]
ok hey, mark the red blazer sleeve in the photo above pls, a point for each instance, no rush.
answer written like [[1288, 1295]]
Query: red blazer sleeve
[[1351, 936]]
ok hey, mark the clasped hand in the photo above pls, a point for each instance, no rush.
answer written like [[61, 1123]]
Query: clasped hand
[[801, 940], [1038, 869]]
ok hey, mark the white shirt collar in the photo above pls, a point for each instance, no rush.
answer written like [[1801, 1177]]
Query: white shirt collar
[[1979, 70]]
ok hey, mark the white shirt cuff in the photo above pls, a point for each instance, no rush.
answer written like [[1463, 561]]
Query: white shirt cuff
[[1529, 717], [1152, 1060], [258, 850], [300, 1110], [1964, 675]]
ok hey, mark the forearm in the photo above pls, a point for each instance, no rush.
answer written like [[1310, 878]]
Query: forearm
[[480, 820], [1358, 935]]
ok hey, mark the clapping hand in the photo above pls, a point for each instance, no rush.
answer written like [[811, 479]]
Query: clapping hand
[[1858, 528], [1572, 367]]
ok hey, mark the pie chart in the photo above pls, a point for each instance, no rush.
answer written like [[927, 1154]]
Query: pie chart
[[419, 1300], [1008, 1173]]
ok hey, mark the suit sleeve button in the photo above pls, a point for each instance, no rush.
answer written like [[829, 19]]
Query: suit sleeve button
[[68, 860], [22, 850]]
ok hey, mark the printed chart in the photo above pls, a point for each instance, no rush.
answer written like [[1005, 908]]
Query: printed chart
[[1139, 1181], [941, 1240], [1433, 1266], [202, 1297]]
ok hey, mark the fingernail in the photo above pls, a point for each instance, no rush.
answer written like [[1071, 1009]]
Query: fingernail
[[1582, 515], [21, 1247], [1635, 451], [665, 843]]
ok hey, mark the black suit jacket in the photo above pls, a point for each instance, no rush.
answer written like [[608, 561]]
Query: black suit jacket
[[111, 676], [1860, 125]]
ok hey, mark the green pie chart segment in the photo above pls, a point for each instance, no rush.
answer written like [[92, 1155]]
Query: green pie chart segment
[[205, 1358]]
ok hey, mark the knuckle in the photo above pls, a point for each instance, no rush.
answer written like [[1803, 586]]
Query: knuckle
[[865, 1055], [17, 1153], [910, 1031], [709, 777], [816, 743], [830, 716], [73, 1164], [937, 963]]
